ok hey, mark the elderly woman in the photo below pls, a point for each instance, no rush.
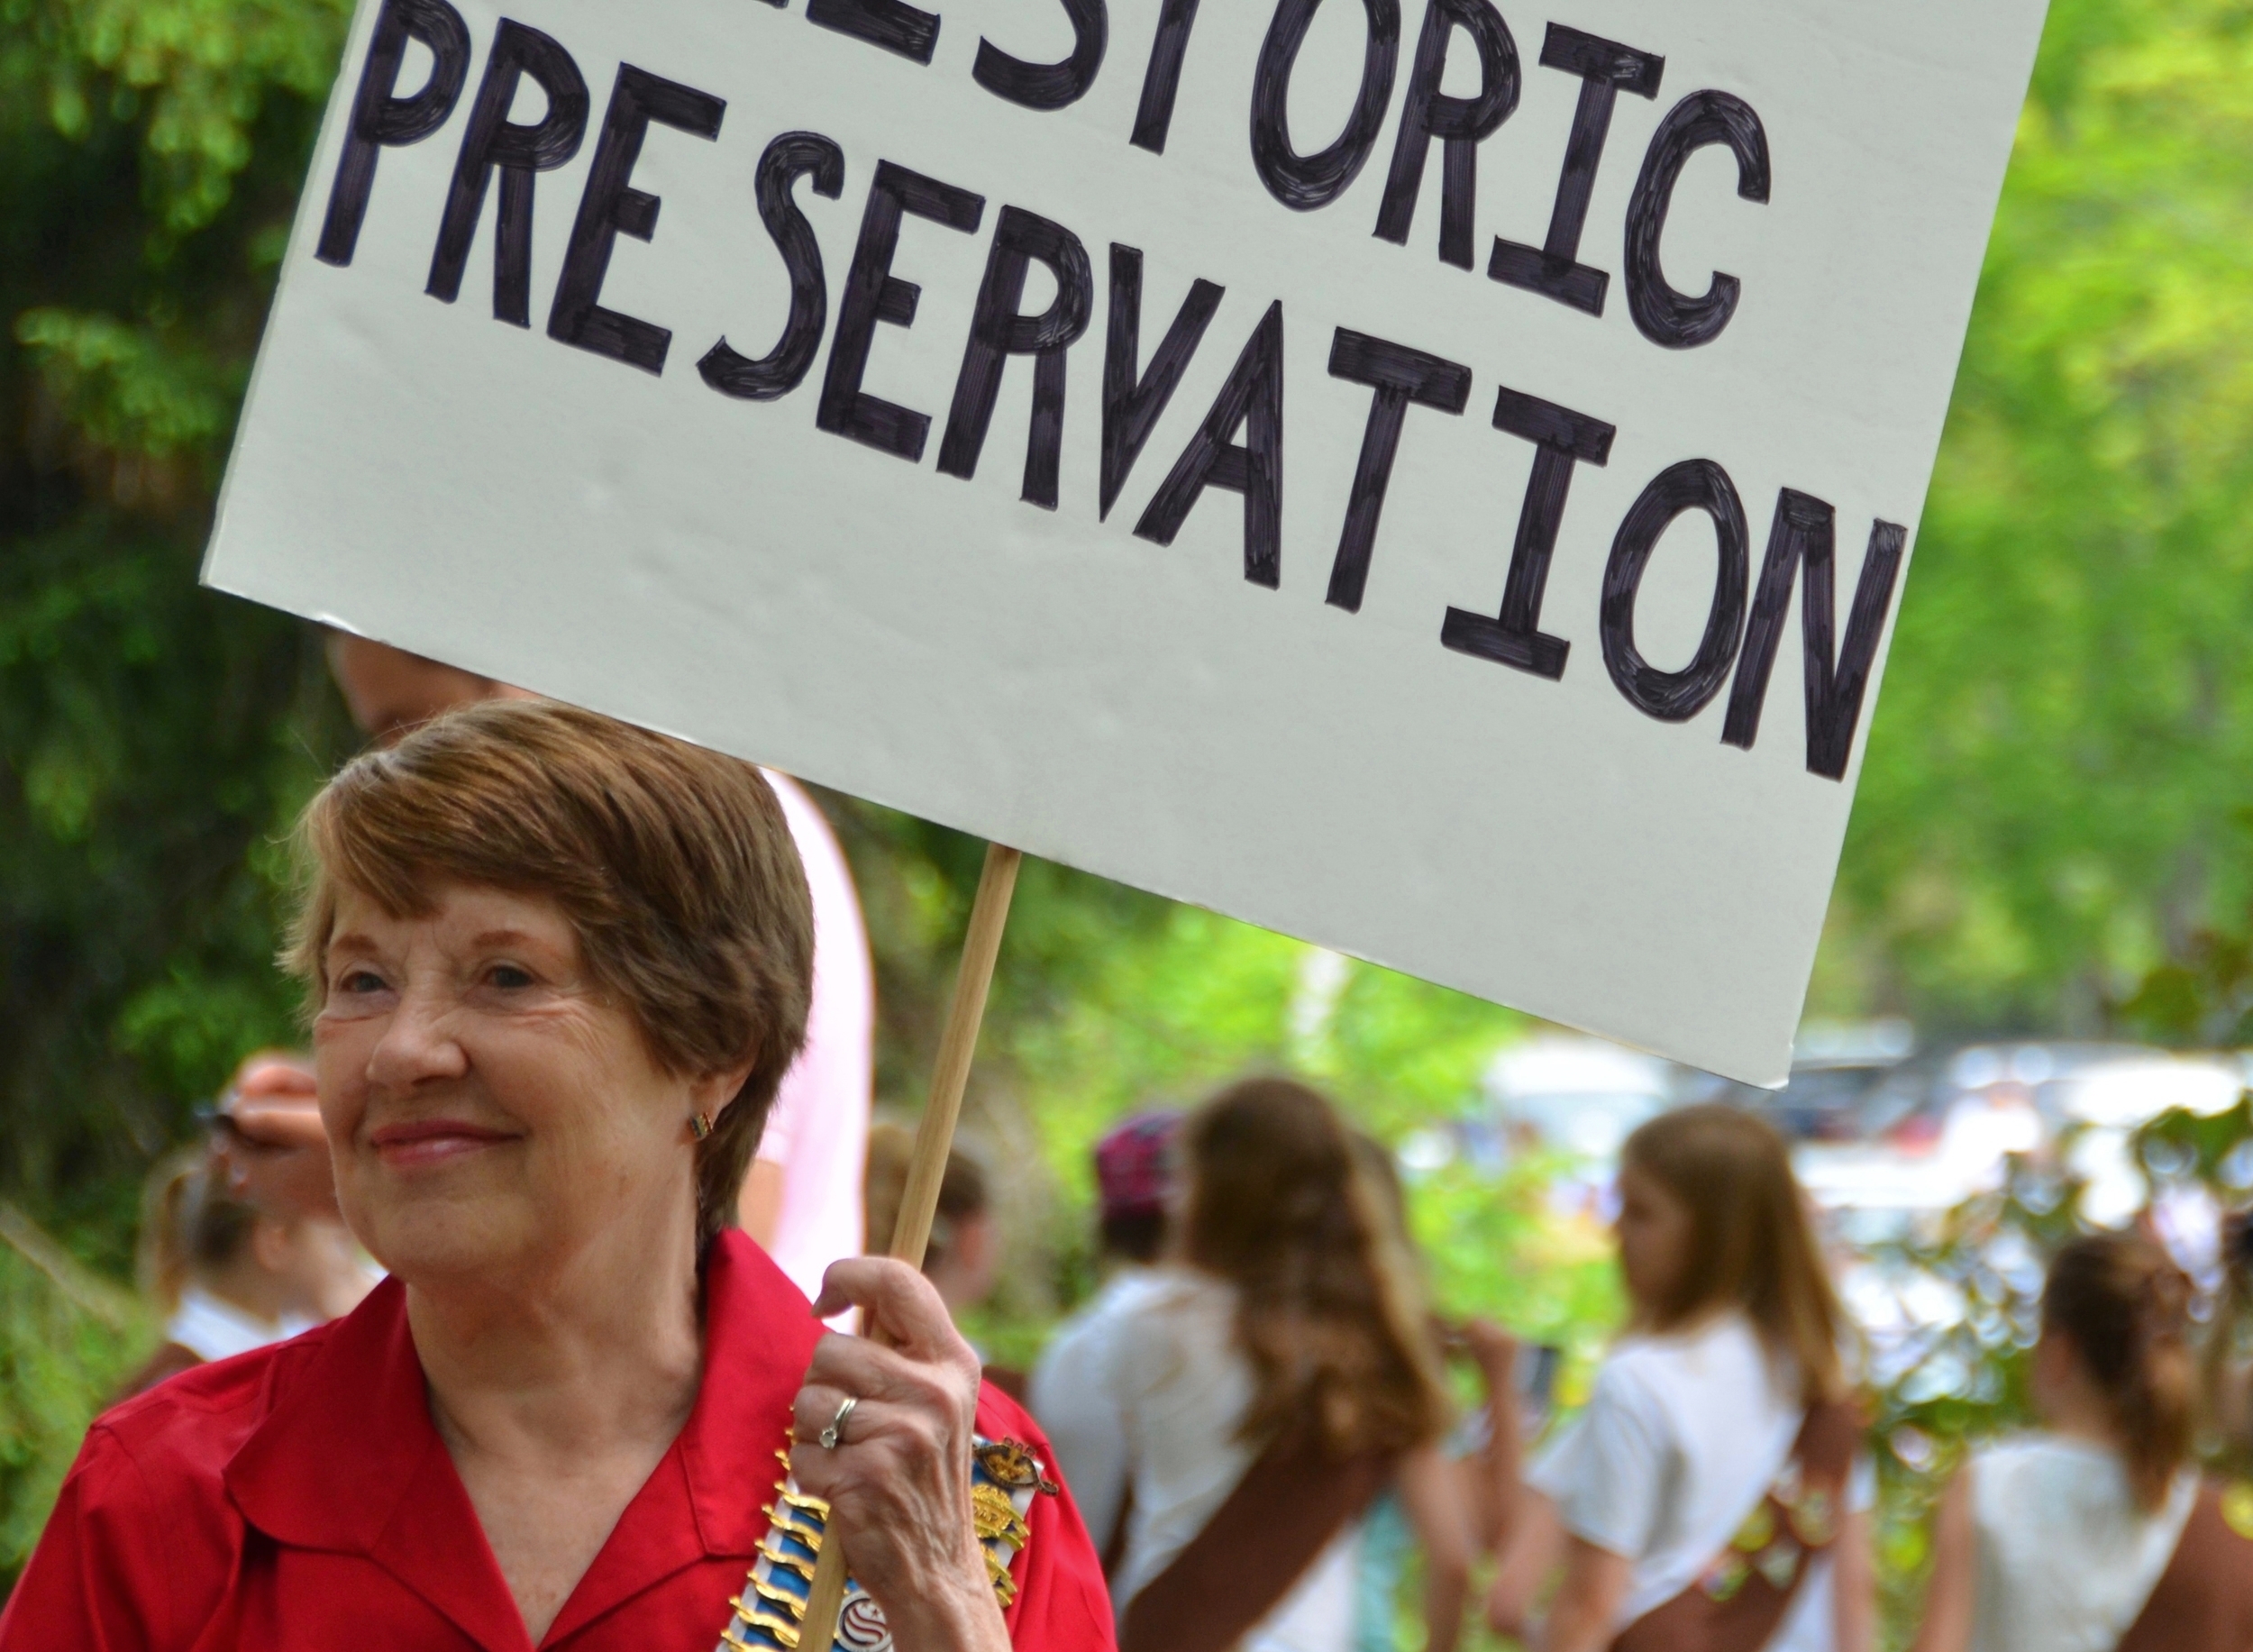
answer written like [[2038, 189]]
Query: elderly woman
[[557, 968]]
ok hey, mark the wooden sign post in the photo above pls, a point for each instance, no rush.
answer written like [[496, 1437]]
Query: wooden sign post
[[934, 1137]]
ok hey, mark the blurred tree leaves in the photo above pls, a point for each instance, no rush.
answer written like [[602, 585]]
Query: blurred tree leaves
[[2067, 720], [153, 739], [2202, 995], [1107, 999], [65, 1346]]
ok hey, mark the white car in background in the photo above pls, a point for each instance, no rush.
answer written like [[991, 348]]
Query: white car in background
[[1944, 1130], [1885, 1141], [1582, 1097], [1575, 1097]]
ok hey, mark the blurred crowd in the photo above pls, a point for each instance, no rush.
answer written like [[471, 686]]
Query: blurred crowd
[[1258, 1408], [1273, 1440], [1257, 1399]]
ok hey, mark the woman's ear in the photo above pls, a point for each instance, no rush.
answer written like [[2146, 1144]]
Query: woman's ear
[[273, 1244], [715, 1093]]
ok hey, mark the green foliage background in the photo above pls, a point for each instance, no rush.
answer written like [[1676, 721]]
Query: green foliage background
[[2046, 820], [2063, 738]]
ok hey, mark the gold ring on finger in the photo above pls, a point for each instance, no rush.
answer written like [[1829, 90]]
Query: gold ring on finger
[[833, 1435]]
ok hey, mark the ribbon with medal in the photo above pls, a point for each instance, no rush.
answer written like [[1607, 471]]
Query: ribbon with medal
[[1005, 1477], [1793, 1521]]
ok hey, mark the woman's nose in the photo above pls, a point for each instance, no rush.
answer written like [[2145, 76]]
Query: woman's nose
[[418, 1043]]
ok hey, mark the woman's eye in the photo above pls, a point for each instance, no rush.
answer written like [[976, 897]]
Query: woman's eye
[[359, 981], [509, 977]]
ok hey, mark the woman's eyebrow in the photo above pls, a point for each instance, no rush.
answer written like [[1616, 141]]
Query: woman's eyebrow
[[506, 937]]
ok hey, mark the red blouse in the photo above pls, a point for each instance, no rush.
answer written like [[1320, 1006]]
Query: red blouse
[[299, 1496]]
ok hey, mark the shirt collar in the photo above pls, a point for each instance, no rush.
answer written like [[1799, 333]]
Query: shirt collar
[[347, 1458], [759, 1333], [211, 1330]]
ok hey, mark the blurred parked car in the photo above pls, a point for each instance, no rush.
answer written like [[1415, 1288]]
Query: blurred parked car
[[1837, 1090], [1570, 1096], [1939, 1128], [1884, 1137], [1582, 1097]]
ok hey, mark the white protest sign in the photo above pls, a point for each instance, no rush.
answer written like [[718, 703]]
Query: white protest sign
[[1359, 466]]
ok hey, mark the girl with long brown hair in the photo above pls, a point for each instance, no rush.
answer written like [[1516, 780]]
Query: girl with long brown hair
[[1707, 1496], [1272, 1386], [2086, 1536]]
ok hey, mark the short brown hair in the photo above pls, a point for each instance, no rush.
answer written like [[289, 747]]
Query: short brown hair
[[674, 865], [1751, 1247]]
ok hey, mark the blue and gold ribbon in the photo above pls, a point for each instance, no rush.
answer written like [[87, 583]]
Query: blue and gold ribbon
[[1004, 1479]]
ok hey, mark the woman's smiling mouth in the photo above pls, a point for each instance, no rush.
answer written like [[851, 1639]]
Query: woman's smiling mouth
[[414, 1144]]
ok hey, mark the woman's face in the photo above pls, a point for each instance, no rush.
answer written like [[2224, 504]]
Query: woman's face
[[1654, 1231], [489, 1111]]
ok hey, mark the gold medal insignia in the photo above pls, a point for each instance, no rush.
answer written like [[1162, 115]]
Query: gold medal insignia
[[1005, 1478], [1726, 1576], [1814, 1521], [1779, 1562], [2237, 1507], [1011, 1464]]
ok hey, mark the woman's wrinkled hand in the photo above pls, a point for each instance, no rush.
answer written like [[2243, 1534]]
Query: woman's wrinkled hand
[[898, 1482]]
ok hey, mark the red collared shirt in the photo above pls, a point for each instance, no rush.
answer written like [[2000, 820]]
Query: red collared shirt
[[299, 1496]]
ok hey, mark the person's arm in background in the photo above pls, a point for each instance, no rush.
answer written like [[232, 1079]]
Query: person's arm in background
[[1583, 1616], [1529, 1556], [2225, 1378], [271, 1141], [1432, 1494], [1950, 1595], [1594, 1498], [1854, 1585], [802, 1201], [760, 1209], [1494, 1473]]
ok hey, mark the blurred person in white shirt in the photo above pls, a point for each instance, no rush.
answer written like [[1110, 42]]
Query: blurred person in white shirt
[[2094, 1532], [1280, 1376], [1075, 1395], [1710, 1494]]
